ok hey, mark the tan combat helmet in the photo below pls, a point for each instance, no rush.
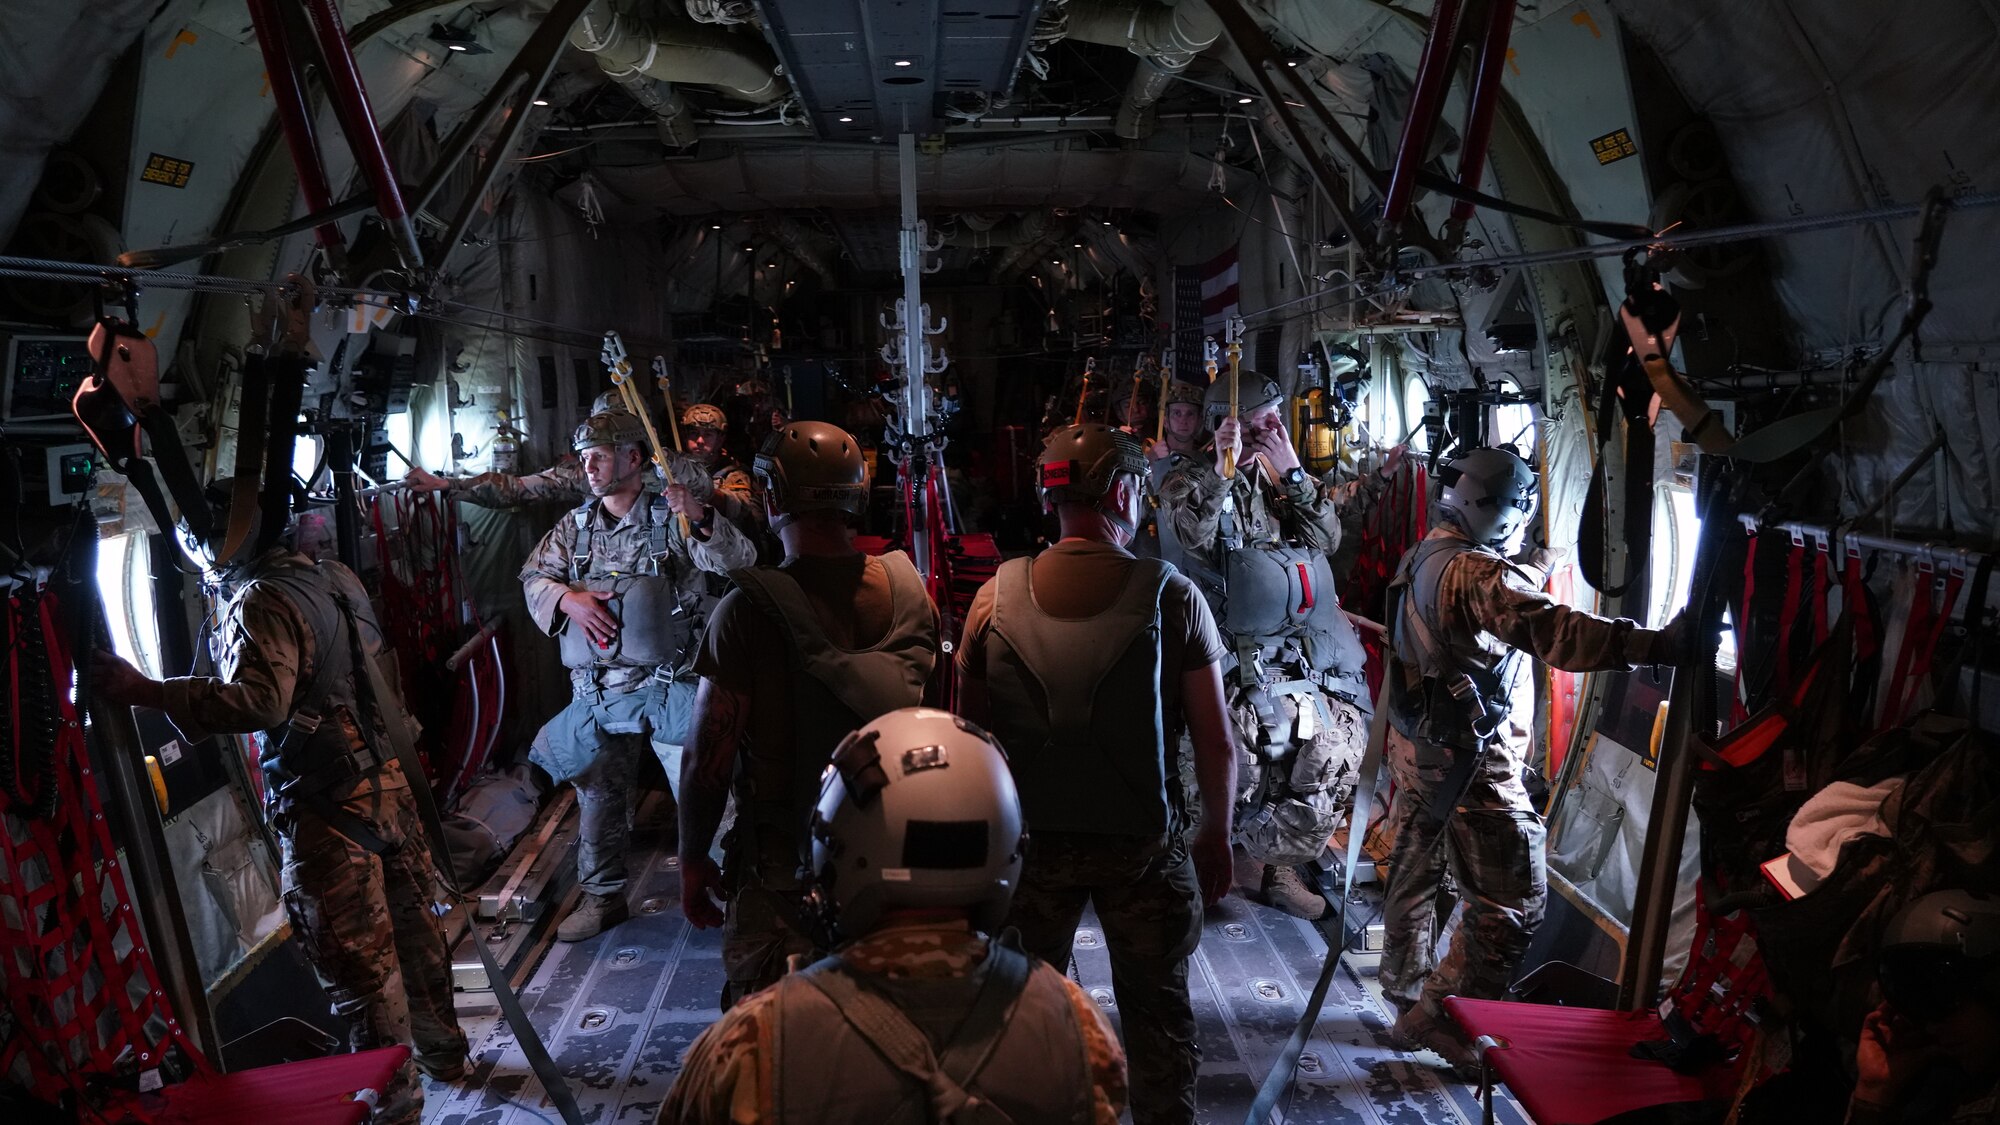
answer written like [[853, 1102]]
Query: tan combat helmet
[[812, 467], [610, 402], [609, 428], [1180, 390], [1080, 462], [704, 416]]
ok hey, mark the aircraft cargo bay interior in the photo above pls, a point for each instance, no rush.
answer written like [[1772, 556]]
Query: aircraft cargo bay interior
[[715, 562]]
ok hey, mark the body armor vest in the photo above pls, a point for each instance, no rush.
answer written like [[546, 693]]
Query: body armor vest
[[1028, 1065], [834, 690], [655, 624], [1428, 657], [1076, 702], [312, 750]]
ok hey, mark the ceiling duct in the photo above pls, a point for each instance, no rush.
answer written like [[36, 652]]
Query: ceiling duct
[[802, 243], [1165, 37], [1024, 254], [629, 48], [1025, 227]]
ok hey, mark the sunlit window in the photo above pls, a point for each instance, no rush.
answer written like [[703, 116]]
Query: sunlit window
[[398, 428], [125, 581], [1416, 398], [1676, 529], [1513, 423], [305, 458]]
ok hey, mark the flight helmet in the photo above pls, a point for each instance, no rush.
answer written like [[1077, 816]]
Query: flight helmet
[[919, 810], [1939, 950], [1488, 493]]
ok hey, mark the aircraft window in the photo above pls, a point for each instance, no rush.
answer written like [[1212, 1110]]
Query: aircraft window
[[305, 458], [397, 426], [1675, 530], [1416, 398], [125, 582], [1513, 423]]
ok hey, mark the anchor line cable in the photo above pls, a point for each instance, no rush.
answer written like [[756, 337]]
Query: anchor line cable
[[1741, 232]]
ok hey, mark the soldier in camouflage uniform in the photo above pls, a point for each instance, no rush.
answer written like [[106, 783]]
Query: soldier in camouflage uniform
[[1462, 707], [359, 878], [1257, 545], [706, 476], [694, 486], [979, 1022], [1084, 661], [615, 582]]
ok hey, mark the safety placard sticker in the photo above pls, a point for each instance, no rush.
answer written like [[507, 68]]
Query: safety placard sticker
[[1613, 146], [166, 170]]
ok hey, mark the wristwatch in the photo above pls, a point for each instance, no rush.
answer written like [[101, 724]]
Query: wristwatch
[[1294, 478]]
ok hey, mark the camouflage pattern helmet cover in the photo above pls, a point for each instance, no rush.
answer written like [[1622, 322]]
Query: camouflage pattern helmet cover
[[619, 428], [704, 416]]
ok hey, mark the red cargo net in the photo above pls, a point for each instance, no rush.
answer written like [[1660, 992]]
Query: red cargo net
[[81, 990]]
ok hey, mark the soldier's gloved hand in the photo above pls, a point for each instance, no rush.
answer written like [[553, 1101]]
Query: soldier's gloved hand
[[1544, 559], [701, 890], [1158, 450], [117, 681], [585, 610], [417, 480], [1214, 867], [1670, 642]]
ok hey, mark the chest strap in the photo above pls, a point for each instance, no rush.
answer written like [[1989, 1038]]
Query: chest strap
[[944, 1076]]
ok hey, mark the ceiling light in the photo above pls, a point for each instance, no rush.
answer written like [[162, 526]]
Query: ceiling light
[[905, 62], [458, 39], [715, 226], [1245, 100], [770, 265], [847, 121], [541, 101], [1293, 62], [1078, 245]]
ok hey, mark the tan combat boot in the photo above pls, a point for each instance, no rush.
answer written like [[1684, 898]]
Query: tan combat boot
[[594, 915], [1284, 889]]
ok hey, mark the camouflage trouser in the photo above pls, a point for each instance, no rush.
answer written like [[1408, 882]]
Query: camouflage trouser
[[1301, 752], [757, 942], [366, 924], [604, 813], [1493, 845], [1149, 904]]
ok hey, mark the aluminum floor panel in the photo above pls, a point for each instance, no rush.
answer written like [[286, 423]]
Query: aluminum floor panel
[[617, 1013]]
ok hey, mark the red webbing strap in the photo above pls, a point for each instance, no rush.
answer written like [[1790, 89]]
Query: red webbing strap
[[1854, 602], [1821, 583], [1738, 712], [1931, 602], [1788, 613], [78, 1003], [1724, 978]]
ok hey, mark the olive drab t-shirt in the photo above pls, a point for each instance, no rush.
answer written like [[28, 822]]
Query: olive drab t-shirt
[[745, 651], [1078, 578]]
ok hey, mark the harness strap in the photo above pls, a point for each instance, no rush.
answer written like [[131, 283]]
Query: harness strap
[[1788, 614], [1821, 583], [1854, 602], [1738, 711], [904, 1046]]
